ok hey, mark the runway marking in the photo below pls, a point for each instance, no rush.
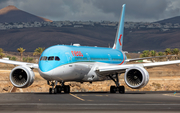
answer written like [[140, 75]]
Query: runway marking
[[96, 95], [101, 95], [77, 97], [142, 102], [171, 95], [133, 101], [84, 95], [77, 104]]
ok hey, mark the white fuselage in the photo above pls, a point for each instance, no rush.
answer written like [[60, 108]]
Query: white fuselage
[[80, 72]]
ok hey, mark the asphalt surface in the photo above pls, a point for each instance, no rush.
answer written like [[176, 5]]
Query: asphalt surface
[[91, 102]]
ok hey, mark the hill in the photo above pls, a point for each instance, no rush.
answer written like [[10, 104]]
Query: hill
[[172, 20], [12, 14], [151, 39], [31, 38], [134, 40]]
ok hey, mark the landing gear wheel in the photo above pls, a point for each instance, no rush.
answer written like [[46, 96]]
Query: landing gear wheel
[[112, 89], [55, 90], [59, 89], [116, 88], [66, 89], [50, 90], [121, 89]]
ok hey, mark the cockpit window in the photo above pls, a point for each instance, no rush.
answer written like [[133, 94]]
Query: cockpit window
[[44, 58], [51, 58], [41, 58], [57, 58]]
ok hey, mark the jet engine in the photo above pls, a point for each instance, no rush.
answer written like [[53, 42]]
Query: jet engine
[[136, 77], [22, 76]]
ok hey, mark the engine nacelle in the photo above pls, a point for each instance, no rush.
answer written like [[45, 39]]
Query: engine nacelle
[[22, 76], [136, 77]]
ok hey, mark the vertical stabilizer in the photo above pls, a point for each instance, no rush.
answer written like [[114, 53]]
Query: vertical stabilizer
[[119, 34]]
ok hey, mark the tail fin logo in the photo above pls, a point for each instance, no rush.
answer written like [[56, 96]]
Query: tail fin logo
[[118, 43], [120, 40]]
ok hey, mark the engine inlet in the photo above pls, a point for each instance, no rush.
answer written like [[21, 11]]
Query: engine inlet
[[134, 77], [19, 76]]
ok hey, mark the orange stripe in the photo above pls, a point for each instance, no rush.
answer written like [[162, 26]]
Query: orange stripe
[[123, 60]]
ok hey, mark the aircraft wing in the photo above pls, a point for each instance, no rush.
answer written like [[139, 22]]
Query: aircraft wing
[[105, 70], [30, 65], [136, 59]]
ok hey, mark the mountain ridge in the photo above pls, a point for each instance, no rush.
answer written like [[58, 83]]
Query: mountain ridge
[[13, 14], [134, 40], [172, 20]]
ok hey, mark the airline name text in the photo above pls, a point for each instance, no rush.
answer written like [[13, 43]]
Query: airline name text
[[77, 53]]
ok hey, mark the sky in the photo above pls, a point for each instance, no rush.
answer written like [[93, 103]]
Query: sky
[[98, 10]]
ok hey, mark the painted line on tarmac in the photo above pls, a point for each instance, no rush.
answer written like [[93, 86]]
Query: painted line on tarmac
[[77, 97], [142, 102], [97, 95], [77, 104], [101, 95], [171, 95]]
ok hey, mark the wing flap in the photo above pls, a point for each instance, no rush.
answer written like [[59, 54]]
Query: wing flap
[[105, 70]]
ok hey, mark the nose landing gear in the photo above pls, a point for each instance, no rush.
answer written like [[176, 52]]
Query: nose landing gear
[[58, 88]]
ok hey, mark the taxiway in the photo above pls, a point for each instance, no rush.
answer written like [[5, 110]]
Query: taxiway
[[91, 102]]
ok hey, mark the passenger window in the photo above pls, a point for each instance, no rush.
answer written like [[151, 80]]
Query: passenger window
[[51, 58], [57, 58], [44, 58]]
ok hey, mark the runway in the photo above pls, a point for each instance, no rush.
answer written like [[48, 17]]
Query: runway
[[91, 102]]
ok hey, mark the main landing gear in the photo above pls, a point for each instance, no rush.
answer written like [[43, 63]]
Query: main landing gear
[[58, 88], [114, 89]]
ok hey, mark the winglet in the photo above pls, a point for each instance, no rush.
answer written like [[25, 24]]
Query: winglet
[[119, 34]]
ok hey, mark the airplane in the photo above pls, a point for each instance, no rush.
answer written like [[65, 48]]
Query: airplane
[[64, 63]]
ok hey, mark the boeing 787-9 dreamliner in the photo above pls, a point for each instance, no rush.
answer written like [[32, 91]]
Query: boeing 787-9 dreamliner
[[63, 63]]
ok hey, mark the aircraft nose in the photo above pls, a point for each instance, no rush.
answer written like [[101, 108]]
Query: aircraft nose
[[45, 66]]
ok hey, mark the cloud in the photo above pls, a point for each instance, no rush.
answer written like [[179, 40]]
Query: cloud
[[135, 9], [64, 9], [97, 10], [173, 8]]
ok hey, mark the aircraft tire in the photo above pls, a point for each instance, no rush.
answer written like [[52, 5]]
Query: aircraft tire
[[50, 90], [55, 91], [66, 89], [121, 89], [59, 89], [112, 89]]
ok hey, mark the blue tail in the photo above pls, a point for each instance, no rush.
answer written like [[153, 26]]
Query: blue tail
[[119, 35]]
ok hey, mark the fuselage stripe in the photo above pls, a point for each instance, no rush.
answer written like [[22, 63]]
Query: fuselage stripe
[[123, 60]]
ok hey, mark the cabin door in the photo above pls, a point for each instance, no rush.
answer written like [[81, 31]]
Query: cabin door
[[110, 59], [87, 56], [68, 57]]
